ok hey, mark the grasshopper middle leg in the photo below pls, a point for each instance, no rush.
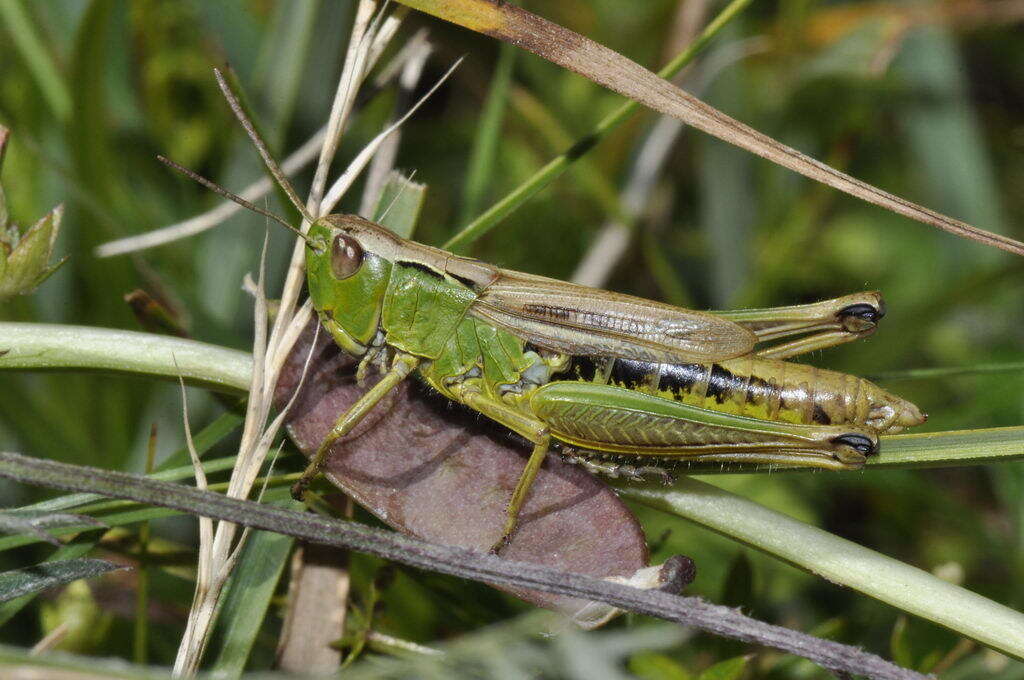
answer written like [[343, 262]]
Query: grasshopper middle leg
[[401, 367]]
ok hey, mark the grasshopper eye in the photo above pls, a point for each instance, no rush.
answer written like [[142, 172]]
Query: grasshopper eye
[[346, 256]]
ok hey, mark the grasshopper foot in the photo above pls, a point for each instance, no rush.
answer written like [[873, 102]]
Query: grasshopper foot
[[500, 545]]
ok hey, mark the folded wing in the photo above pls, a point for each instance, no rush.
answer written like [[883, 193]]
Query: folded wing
[[574, 319]]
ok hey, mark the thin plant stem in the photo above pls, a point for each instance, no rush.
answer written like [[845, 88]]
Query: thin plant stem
[[691, 611], [556, 166], [140, 640], [791, 540]]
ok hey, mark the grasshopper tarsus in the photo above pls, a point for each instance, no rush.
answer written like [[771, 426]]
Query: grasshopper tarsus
[[500, 545], [866, 313]]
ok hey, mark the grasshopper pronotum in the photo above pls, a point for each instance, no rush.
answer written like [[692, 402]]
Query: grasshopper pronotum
[[622, 383]]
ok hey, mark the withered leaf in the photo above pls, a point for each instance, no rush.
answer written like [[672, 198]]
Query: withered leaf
[[436, 471]]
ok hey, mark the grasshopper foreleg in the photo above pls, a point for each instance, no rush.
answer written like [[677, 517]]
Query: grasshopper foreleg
[[401, 367]]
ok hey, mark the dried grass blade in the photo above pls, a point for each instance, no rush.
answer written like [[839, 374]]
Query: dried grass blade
[[342, 184], [215, 561], [205, 523], [356, 63], [365, 48], [606, 67], [384, 160], [597, 264]]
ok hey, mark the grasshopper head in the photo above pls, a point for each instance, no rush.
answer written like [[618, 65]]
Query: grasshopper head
[[348, 259], [348, 262]]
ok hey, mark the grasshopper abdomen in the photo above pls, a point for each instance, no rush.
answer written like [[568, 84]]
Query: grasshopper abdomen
[[767, 389]]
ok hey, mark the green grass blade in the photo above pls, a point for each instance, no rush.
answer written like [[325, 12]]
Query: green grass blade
[[488, 134], [20, 582], [947, 371], [399, 205], [40, 62], [36, 523], [284, 62], [555, 167], [945, 126], [840, 561], [73, 550], [247, 598], [956, 447], [589, 177]]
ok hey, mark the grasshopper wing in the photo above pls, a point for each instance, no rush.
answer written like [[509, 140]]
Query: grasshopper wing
[[574, 319]]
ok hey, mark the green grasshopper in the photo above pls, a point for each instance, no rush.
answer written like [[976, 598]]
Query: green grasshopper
[[622, 384]]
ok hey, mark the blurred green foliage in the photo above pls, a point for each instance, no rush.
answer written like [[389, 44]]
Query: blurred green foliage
[[923, 100]]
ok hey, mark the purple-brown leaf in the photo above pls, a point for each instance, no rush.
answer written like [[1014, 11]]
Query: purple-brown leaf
[[438, 472]]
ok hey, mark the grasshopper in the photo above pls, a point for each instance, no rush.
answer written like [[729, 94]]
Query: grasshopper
[[622, 384]]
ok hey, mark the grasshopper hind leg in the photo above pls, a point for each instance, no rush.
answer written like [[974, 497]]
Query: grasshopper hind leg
[[615, 421], [532, 429], [522, 490]]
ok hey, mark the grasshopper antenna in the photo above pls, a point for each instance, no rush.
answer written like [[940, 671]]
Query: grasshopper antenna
[[268, 160], [216, 188]]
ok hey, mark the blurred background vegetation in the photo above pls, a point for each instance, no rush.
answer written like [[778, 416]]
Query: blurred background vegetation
[[922, 99]]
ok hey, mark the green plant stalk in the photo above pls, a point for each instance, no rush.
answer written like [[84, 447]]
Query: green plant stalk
[[790, 540], [485, 145], [556, 166], [247, 597], [590, 178], [838, 560], [56, 347]]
